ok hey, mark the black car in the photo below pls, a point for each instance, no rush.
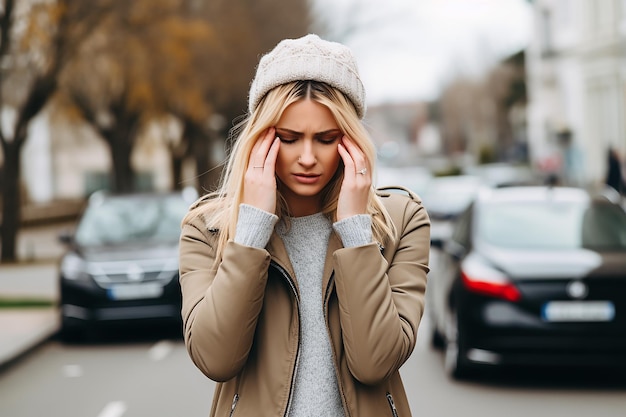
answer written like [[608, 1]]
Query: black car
[[532, 276], [122, 262], [445, 198]]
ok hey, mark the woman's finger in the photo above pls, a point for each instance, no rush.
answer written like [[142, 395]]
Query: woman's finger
[[272, 156], [260, 183], [258, 158], [357, 156], [253, 153], [348, 162], [354, 192]]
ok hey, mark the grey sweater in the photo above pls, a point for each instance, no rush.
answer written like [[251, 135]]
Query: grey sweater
[[315, 392]]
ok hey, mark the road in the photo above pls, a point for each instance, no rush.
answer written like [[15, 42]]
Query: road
[[126, 375], [133, 375]]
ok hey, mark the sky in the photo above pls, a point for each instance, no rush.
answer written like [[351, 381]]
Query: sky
[[407, 49]]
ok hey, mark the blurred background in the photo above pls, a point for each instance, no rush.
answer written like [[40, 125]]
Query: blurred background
[[115, 115], [137, 96]]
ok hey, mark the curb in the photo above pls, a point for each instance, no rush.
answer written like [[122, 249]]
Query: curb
[[32, 327]]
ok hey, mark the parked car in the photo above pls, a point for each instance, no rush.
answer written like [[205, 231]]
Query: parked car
[[445, 198], [532, 276], [504, 174], [121, 265], [415, 178]]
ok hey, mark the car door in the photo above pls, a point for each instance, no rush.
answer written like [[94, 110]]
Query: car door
[[452, 251]]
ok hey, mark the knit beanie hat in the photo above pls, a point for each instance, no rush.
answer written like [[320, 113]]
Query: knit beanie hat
[[309, 58]]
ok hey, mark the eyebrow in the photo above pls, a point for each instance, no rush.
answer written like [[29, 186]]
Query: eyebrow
[[293, 132]]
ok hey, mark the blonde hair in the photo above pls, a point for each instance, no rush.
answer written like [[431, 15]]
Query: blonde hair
[[220, 208]]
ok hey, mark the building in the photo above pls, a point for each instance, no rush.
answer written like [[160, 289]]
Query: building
[[66, 160], [576, 73]]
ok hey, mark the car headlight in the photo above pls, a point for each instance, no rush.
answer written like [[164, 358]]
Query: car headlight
[[73, 267]]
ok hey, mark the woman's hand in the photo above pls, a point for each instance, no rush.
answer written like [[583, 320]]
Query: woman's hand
[[357, 181], [259, 188]]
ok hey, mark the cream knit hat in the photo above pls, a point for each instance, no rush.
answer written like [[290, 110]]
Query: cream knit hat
[[309, 58]]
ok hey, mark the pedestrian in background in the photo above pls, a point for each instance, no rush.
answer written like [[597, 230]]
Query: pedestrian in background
[[614, 177], [303, 287]]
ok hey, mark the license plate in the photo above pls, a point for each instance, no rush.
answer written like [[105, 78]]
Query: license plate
[[578, 311], [135, 291]]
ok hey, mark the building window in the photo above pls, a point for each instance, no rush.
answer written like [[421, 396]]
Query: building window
[[547, 47]]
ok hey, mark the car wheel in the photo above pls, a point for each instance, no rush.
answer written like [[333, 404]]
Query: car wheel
[[437, 340], [436, 337], [71, 332], [455, 362]]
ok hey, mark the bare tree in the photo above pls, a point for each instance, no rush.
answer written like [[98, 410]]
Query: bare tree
[[475, 115], [175, 57], [35, 44], [244, 30], [138, 66]]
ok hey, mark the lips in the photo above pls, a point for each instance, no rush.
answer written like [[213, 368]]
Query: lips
[[306, 178]]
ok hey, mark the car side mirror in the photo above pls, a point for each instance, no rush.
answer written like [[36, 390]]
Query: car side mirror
[[454, 249], [436, 242]]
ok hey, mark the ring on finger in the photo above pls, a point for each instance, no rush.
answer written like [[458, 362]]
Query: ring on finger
[[258, 167], [362, 171]]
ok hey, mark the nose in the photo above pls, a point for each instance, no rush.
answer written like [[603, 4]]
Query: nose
[[307, 155]]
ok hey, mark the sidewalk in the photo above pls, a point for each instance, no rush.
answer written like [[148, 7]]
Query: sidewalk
[[33, 277]]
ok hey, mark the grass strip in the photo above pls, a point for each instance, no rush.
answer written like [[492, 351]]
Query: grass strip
[[25, 303]]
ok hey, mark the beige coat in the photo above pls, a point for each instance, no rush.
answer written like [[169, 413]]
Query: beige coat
[[241, 322]]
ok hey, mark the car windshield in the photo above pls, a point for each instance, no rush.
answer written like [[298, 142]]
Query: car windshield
[[131, 219], [553, 226], [415, 178], [450, 195]]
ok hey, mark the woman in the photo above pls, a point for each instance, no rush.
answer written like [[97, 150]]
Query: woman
[[302, 288], [614, 172]]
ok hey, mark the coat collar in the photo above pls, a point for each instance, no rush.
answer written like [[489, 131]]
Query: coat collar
[[278, 252]]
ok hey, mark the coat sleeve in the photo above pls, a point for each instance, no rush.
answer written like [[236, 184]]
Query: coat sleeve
[[381, 296], [220, 307]]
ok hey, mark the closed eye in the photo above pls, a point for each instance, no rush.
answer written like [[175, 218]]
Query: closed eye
[[328, 140], [287, 139]]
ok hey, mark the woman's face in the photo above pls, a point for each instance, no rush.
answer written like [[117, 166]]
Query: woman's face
[[308, 156]]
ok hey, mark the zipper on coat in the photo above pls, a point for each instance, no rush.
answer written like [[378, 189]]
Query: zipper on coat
[[285, 274], [332, 347], [236, 396], [394, 411], [232, 407]]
